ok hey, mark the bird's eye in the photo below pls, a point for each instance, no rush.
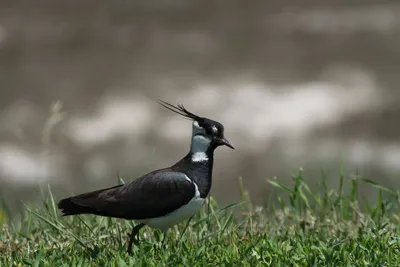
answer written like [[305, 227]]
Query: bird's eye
[[209, 131]]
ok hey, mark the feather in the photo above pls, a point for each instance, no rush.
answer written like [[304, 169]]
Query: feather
[[180, 109]]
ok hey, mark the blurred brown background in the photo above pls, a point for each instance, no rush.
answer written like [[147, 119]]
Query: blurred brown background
[[311, 85]]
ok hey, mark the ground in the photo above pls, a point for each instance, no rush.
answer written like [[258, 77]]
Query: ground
[[324, 227]]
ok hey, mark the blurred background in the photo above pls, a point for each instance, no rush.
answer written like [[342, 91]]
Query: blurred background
[[311, 85]]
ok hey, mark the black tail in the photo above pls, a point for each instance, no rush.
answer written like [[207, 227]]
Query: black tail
[[68, 207], [87, 203]]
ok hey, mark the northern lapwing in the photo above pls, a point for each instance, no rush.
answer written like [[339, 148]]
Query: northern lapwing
[[164, 197]]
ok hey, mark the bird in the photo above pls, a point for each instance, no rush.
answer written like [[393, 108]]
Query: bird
[[164, 197]]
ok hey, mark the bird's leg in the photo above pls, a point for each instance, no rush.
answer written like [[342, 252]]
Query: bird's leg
[[164, 236], [132, 236], [184, 229]]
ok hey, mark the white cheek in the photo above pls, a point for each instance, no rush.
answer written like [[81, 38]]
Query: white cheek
[[196, 125], [197, 129]]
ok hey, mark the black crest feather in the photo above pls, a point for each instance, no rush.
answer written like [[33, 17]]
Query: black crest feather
[[179, 109]]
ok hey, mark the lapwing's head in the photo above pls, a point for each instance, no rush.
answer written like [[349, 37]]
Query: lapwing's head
[[206, 133]]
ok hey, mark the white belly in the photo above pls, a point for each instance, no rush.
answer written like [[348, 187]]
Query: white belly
[[167, 221]]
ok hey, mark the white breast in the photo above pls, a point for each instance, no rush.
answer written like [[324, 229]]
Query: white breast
[[185, 212]]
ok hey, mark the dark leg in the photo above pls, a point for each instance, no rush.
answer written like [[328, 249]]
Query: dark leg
[[184, 229], [132, 236], [163, 240]]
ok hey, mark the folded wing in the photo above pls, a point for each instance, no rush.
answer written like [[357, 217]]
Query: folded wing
[[153, 195]]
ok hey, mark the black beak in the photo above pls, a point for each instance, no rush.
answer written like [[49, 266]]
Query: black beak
[[226, 143]]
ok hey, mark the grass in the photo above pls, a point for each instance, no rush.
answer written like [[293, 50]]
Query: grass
[[327, 227]]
